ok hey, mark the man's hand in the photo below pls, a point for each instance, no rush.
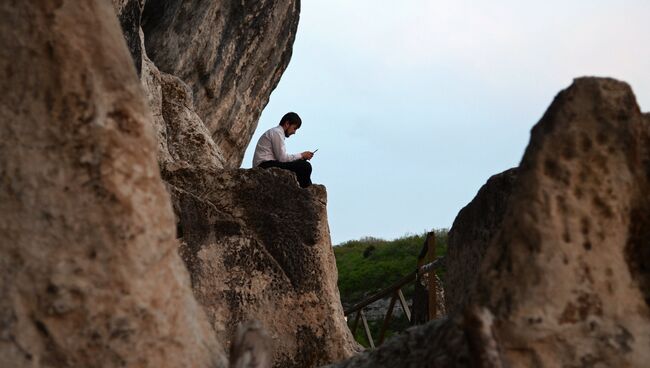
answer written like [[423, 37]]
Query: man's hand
[[307, 155]]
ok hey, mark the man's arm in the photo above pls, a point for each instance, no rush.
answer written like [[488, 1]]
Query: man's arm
[[280, 151]]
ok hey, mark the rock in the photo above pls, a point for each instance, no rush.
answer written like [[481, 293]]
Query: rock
[[470, 235], [566, 277], [564, 280], [250, 347], [258, 248], [129, 13], [440, 343], [230, 53], [247, 55], [89, 268], [183, 140], [188, 140]]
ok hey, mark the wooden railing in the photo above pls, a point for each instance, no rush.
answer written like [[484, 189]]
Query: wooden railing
[[395, 290]]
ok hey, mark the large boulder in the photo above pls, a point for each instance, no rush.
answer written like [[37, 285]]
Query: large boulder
[[258, 248], [469, 237], [89, 265], [565, 281], [566, 277], [231, 54]]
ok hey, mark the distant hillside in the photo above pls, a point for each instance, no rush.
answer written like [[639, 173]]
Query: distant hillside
[[369, 264]]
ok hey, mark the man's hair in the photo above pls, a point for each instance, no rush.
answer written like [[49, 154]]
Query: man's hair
[[292, 118]]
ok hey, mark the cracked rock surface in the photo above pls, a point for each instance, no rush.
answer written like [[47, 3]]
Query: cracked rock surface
[[231, 54], [258, 247]]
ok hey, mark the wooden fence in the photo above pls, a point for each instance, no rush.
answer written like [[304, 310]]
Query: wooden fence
[[395, 291]]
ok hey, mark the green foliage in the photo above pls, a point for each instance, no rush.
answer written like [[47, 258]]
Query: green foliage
[[368, 265]]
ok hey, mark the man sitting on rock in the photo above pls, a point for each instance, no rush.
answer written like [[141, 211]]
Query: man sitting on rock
[[271, 152]]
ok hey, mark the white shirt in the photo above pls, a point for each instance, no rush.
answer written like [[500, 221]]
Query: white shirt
[[270, 147]]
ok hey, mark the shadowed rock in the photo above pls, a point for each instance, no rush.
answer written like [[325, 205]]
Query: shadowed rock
[[255, 244], [258, 247], [565, 276], [183, 140], [564, 281], [89, 271], [470, 235], [231, 54], [129, 13]]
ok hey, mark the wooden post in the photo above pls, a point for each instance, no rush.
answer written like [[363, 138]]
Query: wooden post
[[430, 257], [355, 323], [387, 318], [405, 306], [365, 326]]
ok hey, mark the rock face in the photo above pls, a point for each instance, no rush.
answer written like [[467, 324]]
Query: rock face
[[183, 139], [470, 235], [89, 268], [565, 280], [231, 54], [129, 13], [258, 247]]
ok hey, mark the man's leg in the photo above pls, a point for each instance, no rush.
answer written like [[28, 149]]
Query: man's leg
[[301, 168]]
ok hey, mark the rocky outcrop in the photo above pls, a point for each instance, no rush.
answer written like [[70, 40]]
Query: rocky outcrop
[[564, 280], [90, 272], [183, 139], [239, 266], [129, 13], [231, 54], [470, 235], [258, 247]]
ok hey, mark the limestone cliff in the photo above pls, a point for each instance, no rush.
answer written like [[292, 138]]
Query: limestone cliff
[[231, 54], [258, 247], [90, 274], [564, 280], [239, 248], [183, 139]]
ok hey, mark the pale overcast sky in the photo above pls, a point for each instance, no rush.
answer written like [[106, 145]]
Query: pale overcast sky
[[415, 104]]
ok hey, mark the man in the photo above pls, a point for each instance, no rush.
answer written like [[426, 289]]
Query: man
[[271, 152]]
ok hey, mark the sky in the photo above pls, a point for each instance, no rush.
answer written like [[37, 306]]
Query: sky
[[414, 104]]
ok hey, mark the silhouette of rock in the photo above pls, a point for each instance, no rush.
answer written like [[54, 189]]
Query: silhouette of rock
[[90, 275]]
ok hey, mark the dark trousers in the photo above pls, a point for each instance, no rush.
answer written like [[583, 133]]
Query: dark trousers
[[302, 168]]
